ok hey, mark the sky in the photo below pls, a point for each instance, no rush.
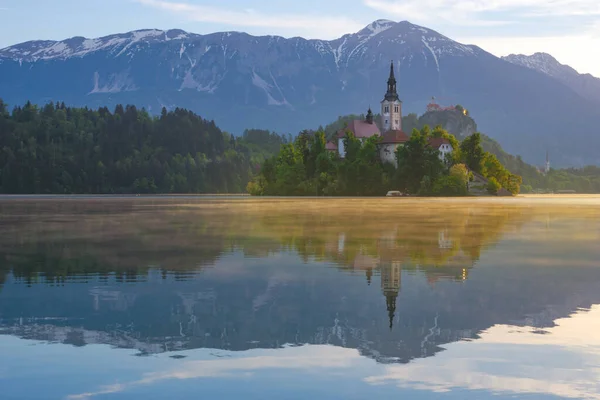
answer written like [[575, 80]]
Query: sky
[[567, 29]]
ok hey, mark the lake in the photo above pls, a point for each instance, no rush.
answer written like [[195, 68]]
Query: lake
[[224, 297]]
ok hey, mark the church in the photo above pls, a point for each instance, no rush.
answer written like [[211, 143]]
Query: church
[[391, 122]]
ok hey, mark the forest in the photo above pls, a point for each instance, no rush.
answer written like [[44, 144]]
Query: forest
[[56, 149], [62, 150], [305, 168]]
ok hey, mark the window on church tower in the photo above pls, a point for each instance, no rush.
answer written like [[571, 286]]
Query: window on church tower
[[387, 109], [396, 109], [396, 122]]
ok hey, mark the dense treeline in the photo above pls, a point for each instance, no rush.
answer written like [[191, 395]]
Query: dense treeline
[[60, 149], [581, 180], [304, 167]]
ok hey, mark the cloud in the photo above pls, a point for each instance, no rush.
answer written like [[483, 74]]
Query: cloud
[[482, 11], [319, 359], [322, 25], [561, 363]]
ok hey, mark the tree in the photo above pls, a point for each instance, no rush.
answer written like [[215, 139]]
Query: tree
[[493, 186], [60, 149], [473, 153], [416, 160]]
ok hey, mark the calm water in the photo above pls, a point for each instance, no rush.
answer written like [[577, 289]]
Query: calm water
[[156, 298]]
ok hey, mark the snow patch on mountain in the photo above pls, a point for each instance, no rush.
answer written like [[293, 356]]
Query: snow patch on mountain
[[267, 88], [538, 61], [376, 28], [437, 63], [116, 83]]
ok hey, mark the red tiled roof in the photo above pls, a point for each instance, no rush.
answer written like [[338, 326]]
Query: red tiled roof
[[360, 128], [436, 143], [394, 136], [331, 146]]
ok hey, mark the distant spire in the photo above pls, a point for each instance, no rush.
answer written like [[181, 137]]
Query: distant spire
[[392, 92]]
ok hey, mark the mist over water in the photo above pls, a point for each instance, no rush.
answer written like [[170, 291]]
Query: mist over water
[[300, 298]]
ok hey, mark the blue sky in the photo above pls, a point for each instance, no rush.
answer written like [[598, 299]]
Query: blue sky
[[567, 29]]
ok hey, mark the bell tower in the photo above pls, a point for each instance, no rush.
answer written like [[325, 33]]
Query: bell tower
[[391, 106]]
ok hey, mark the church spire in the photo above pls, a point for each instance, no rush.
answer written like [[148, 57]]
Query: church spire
[[369, 118], [392, 92], [390, 301]]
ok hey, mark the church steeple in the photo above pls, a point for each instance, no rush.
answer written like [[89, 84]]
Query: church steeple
[[390, 301], [391, 106], [369, 118], [392, 92]]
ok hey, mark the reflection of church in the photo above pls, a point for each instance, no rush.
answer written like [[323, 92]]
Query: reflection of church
[[390, 285]]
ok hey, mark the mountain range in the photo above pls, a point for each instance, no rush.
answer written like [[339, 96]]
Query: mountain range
[[242, 81]]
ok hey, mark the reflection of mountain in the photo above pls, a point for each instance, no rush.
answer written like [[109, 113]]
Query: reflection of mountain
[[132, 278]]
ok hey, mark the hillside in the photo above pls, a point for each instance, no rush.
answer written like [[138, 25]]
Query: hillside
[[287, 85], [582, 180]]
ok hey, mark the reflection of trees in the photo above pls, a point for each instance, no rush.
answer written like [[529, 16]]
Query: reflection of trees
[[260, 307], [442, 244], [127, 238]]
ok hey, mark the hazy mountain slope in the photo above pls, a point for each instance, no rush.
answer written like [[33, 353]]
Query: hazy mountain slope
[[270, 82], [586, 85]]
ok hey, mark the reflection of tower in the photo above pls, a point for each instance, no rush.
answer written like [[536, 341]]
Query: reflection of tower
[[390, 285], [444, 241], [369, 273]]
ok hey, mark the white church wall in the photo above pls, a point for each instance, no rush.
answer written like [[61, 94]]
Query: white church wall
[[341, 148], [387, 153]]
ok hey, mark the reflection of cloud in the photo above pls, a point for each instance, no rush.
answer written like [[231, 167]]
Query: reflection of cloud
[[565, 362], [306, 358]]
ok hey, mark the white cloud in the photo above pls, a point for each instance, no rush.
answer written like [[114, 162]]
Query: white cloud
[[474, 10], [322, 26], [319, 359]]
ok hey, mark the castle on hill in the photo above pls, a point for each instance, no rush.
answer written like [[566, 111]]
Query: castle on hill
[[391, 120]]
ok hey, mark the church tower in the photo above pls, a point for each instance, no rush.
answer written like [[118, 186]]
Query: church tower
[[391, 106]]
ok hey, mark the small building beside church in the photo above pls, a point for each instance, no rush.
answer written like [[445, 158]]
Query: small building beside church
[[391, 121]]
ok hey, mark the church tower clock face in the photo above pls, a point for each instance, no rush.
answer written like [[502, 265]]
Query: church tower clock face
[[391, 106]]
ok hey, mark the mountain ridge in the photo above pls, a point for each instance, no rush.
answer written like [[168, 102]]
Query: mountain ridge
[[587, 85], [244, 81]]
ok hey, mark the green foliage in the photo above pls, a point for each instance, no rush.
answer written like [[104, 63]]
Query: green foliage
[[493, 186], [473, 153], [306, 168], [59, 149], [450, 185], [416, 161]]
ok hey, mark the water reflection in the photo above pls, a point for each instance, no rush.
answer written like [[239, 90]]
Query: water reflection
[[395, 282]]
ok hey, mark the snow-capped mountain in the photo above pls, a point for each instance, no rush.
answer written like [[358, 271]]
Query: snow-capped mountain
[[586, 85], [242, 81]]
